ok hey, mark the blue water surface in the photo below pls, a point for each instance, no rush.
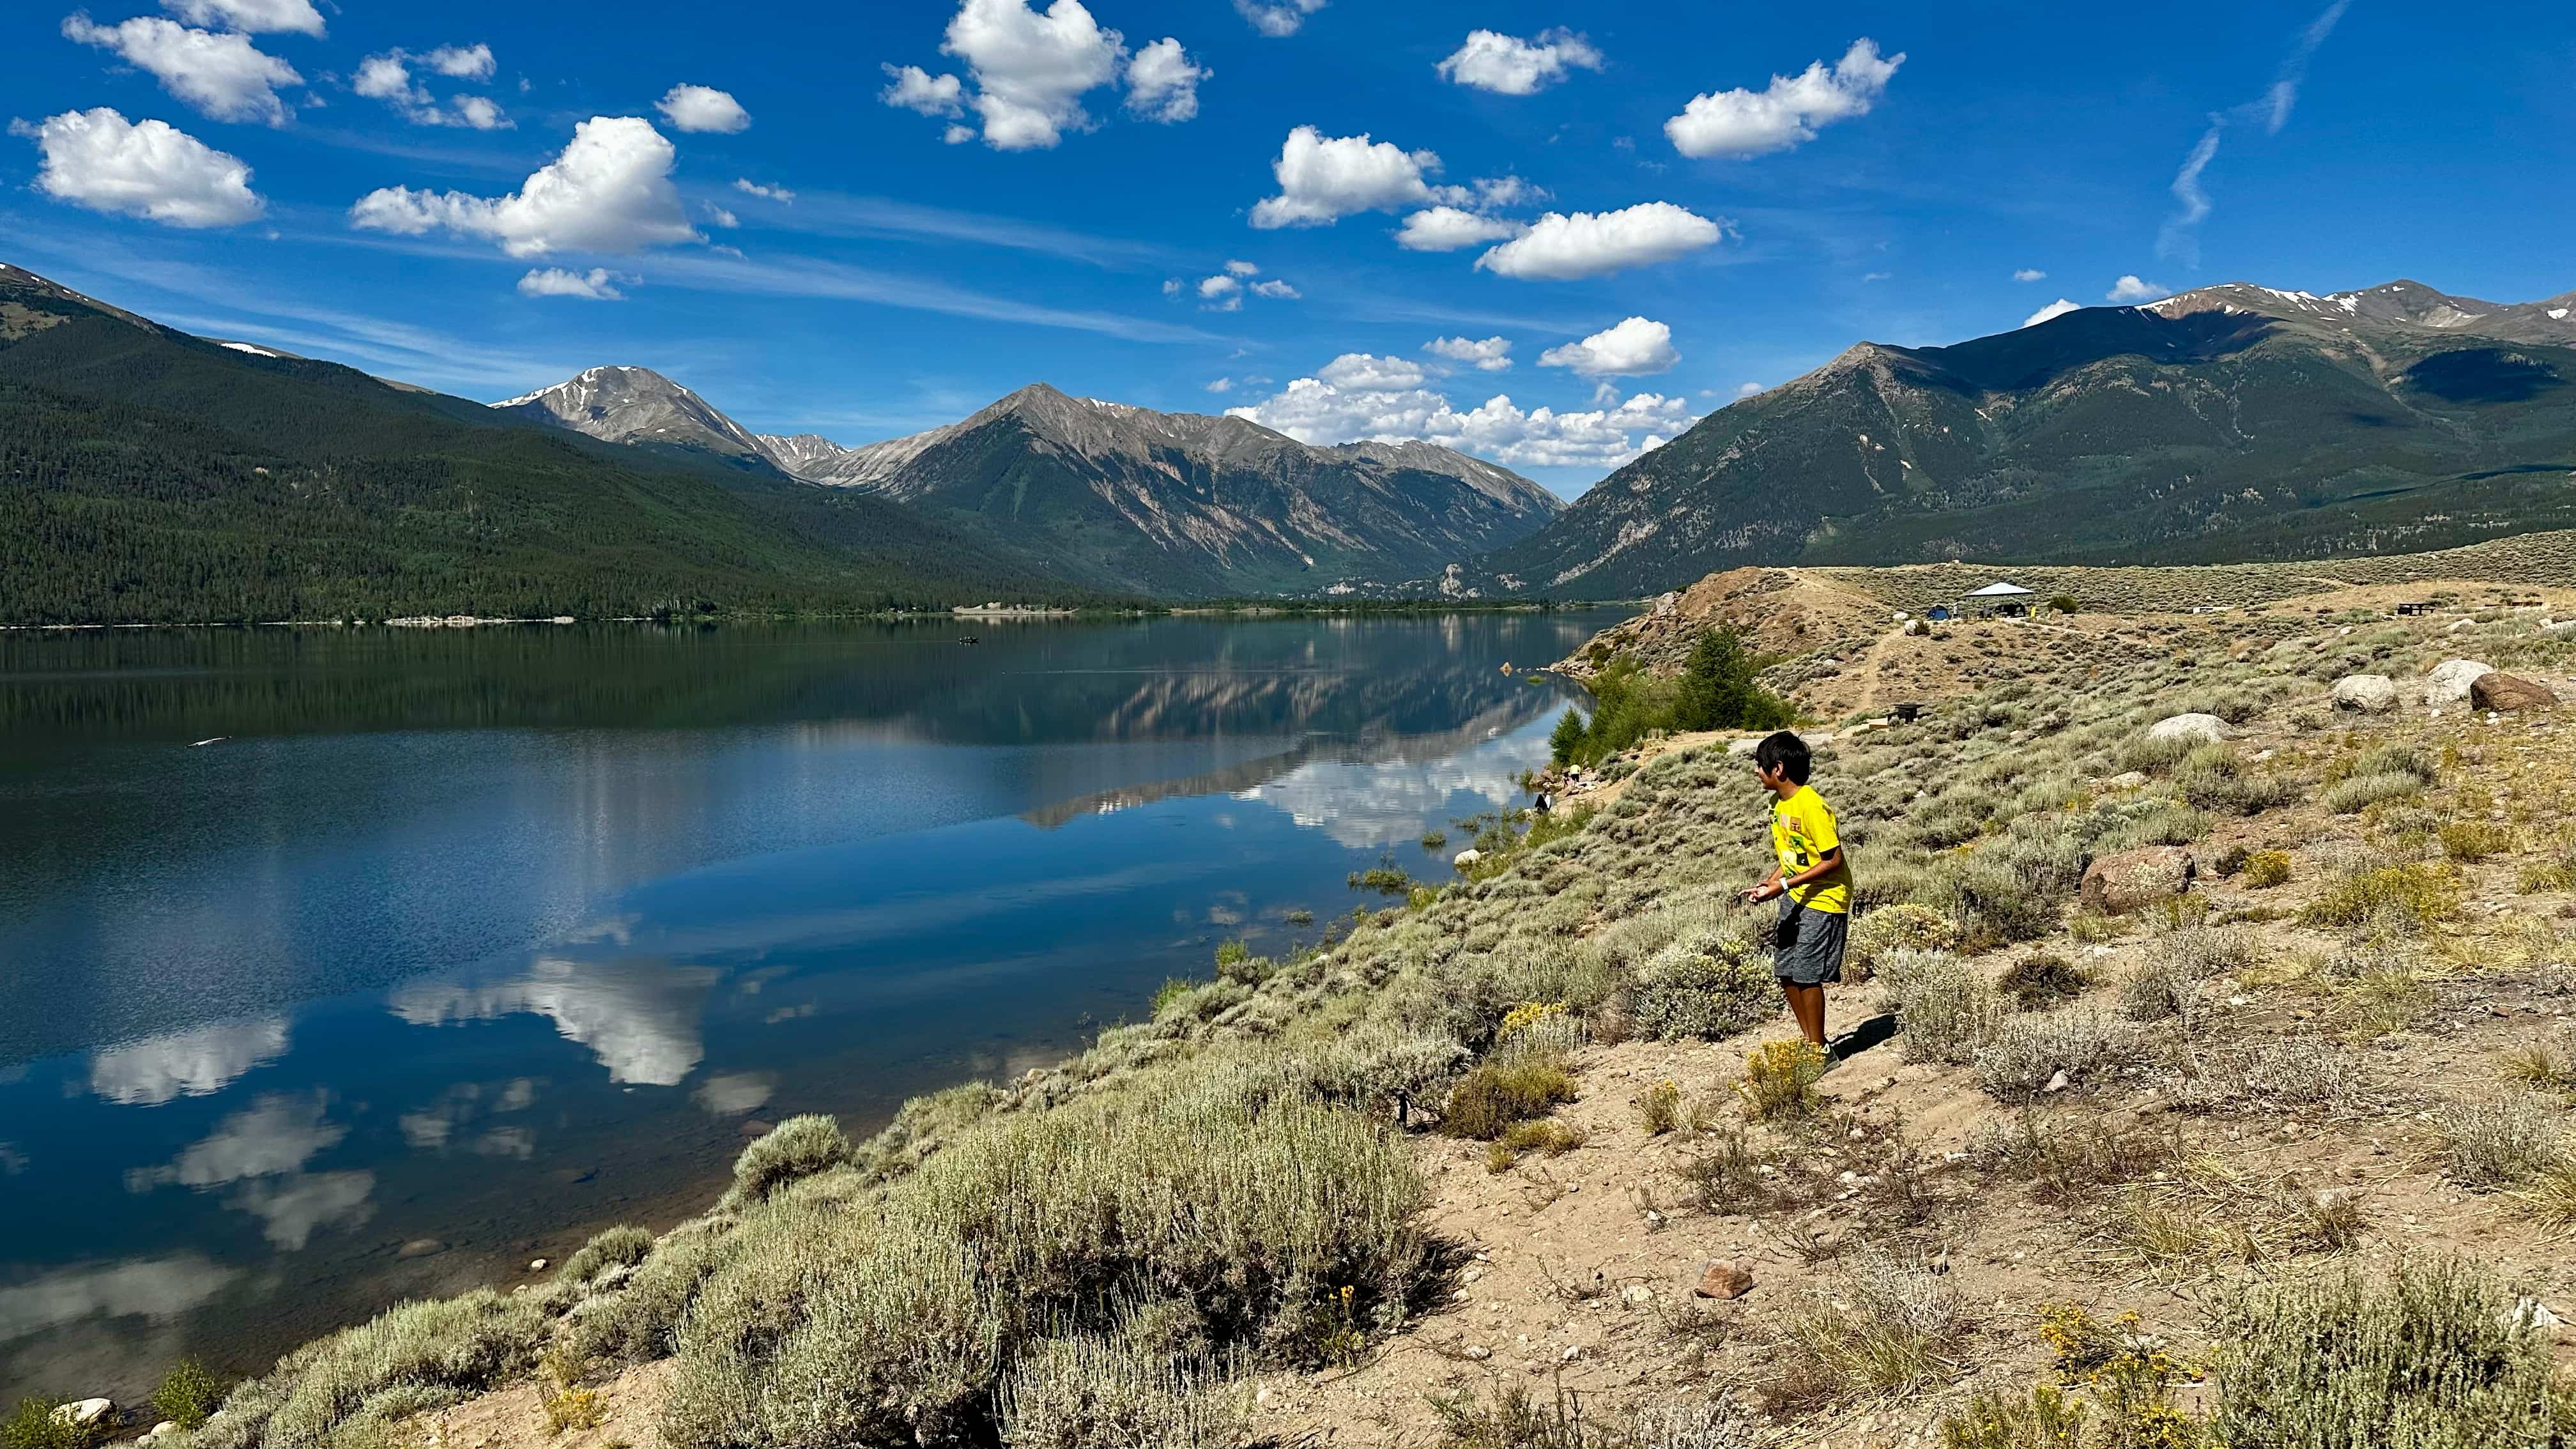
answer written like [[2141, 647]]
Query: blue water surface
[[454, 947]]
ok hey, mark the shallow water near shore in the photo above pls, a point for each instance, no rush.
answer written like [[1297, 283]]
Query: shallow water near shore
[[455, 946]]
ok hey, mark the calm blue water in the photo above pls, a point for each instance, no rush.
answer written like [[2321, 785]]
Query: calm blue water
[[457, 946]]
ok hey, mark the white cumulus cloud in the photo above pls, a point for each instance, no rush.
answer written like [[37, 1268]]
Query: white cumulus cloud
[[1359, 372], [595, 285], [1323, 179], [1559, 247], [250, 17], [482, 114], [1031, 70], [221, 74], [749, 187], [2130, 290], [1221, 385], [1450, 229], [1634, 348], [703, 108], [388, 78], [610, 191], [1163, 82], [2030, 274], [462, 62], [1276, 290], [1508, 65], [1028, 69], [2052, 311], [149, 169], [1743, 123], [1358, 397], [1244, 269], [913, 89], [1277, 18], [1492, 354]]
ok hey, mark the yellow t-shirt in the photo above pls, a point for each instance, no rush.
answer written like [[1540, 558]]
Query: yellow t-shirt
[[1802, 830]]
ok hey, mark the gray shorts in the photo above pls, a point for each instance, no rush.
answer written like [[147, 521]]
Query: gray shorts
[[1810, 950]]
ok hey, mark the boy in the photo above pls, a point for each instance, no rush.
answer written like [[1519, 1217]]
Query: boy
[[1812, 881]]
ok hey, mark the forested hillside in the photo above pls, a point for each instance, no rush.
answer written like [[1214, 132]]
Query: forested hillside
[[150, 476]]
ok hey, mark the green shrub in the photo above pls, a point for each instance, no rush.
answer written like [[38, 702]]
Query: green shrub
[[2025, 1053], [189, 1394], [1290, 1223], [2503, 1143], [1499, 1093], [1878, 1326], [2424, 1355], [2404, 897], [1108, 1393], [1989, 902], [2212, 777], [623, 1246], [2360, 792], [639, 1321], [796, 1148], [1944, 1009], [410, 1358], [2042, 980], [33, 1426], [1708, 983], [1897, 927], [2471, 841], [2265, 869]]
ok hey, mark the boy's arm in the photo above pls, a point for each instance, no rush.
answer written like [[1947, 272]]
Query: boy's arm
[[1773, 887]]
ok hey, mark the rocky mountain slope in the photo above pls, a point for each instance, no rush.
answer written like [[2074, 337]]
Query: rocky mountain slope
[[2232, 423], [1119, 497], [155, 476], [637, 405]]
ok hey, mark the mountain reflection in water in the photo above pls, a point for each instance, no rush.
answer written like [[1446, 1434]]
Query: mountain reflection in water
[[465, 944]]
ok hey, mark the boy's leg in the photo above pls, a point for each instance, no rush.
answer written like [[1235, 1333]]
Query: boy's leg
[[1807, 1004]]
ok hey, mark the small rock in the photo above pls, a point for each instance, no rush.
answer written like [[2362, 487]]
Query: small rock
[[1724, 1278], [82, 1413], [2057, 1083], [536, 1265], [1480, 1353], [1639, 1293], [2501, 693], [2365, 694], [166, 1426], [1571, 1354], [1466, 858], [2532, 1313]]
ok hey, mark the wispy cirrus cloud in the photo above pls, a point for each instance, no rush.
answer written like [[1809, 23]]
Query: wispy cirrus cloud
[[2179, 240]]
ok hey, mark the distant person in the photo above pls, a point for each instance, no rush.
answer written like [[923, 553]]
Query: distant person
[[1812, 881]]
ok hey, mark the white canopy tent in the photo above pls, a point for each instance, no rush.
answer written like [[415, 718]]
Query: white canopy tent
[[2000, 597]]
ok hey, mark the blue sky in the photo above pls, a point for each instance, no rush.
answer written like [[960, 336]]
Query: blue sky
[[1641, 215]]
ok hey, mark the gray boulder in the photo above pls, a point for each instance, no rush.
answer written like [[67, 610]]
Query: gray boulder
[[2197, 728], [2123, 882], [2365, 693], [2450, 680]]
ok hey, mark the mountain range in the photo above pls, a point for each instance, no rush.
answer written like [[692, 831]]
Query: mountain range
[[150, 475], [2232, 423], [1115, 497]]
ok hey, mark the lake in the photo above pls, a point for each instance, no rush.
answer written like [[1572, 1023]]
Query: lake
[[344, 966]]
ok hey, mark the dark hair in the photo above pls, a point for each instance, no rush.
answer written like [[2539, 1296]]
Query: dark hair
[[1786, 753]]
